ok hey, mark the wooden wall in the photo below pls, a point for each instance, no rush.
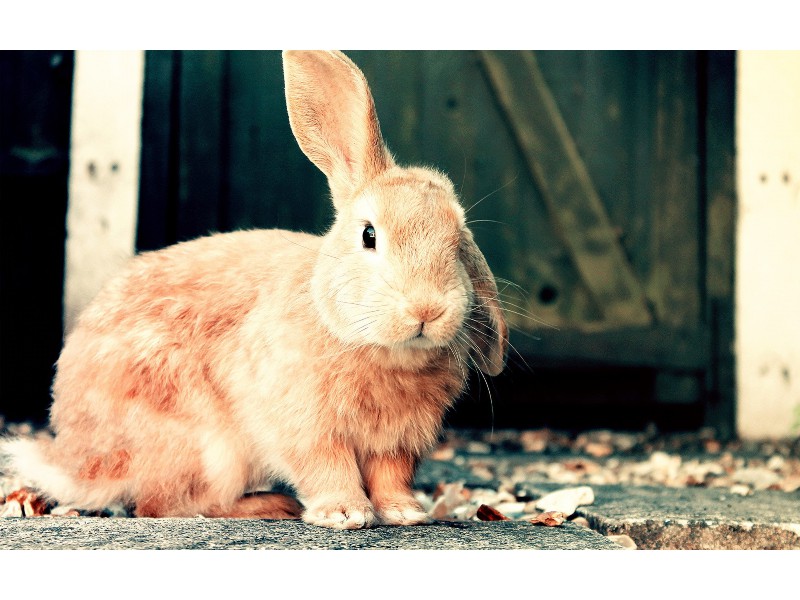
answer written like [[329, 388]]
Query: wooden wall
[[35, 102], [602, 185]]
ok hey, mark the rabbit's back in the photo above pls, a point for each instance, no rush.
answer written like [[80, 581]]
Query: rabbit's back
[[169, 315], [196, 288]]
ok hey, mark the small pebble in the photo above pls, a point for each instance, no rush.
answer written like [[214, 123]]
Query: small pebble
[[511, 508], [443, 453], [478, 448], [791, 483], [482, 473], [452, 496], [465, 512], [566, 500], [623, 540], [741, 490], [21, 429], [534, 440], [734, 468], [598, 449], [580, 521], [491, 497], [776, 462], [625, 442], [758, 477], [530, 507]]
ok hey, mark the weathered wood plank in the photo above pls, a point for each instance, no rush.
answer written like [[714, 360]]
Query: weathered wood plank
[[719, 77], [599, 95], [157, 178], [657, 347], [675, 276], [271, 182], [35, 101], [575, 208], [395, 79], [202, 168], [256, 189]]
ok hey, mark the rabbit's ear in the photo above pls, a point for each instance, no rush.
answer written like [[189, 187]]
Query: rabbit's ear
[[332, 115], [487, 324]]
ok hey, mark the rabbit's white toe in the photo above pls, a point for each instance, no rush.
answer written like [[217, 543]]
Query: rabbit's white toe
[[406, 512], [341, 515]]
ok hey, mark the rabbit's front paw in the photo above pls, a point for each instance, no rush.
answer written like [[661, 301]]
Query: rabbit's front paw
[[341, 515], [402, 511]]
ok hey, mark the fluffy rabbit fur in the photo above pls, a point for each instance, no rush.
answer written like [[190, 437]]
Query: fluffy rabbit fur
[[212, 367]]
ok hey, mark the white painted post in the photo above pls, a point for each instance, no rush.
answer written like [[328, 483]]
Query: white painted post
[[768, 244], [104, 172]]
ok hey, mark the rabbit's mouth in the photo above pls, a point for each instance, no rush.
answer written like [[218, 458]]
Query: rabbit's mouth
[[427, 337]]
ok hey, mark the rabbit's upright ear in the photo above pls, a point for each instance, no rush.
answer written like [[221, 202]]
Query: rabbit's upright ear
[[332, 115], [487, 324]]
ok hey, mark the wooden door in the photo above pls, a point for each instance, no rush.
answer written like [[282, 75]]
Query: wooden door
[[35, 108], [600, 187]]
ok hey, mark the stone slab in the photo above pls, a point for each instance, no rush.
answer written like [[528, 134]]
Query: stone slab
[[691, 518], [230, 534], [433, 472]]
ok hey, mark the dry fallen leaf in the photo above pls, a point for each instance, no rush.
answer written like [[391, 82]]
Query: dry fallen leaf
[[790, 483], [552, 518], [487, 513], [581, 466], [438, 491], [448, 497], [451, 489], [693, 481]]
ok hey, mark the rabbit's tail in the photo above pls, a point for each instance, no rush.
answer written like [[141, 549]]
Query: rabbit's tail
[[27, 461]]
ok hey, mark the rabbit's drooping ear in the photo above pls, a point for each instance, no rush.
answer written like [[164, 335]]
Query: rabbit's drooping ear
[[332, 115], [489, 332]]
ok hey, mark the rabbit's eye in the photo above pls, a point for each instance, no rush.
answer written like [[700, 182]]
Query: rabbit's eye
[[368, 237]]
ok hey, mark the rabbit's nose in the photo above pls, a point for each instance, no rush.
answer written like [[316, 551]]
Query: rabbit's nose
[[426, 313]]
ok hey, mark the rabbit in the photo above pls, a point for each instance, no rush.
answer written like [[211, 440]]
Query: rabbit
[[214, 366]]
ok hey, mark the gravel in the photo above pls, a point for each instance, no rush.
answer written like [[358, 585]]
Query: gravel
[[498, 469]]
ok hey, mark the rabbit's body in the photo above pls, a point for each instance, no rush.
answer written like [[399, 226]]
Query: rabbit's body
[[209, 368], [202, 385]]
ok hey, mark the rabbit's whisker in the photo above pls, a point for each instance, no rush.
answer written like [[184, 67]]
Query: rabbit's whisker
[[486, 221], [471, 344], [306, 247], [505, 185]]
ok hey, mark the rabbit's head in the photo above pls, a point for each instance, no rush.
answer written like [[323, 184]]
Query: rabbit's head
[[399, 268]]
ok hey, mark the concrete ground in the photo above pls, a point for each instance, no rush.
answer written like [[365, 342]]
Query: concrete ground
[[693, 518], [653, 517], [234, 534]]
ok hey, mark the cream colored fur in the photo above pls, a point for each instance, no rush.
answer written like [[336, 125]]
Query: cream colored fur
[[209, 368]]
